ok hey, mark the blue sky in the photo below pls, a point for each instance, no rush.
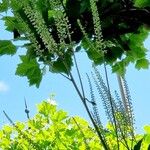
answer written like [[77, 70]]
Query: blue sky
[[13, 89]]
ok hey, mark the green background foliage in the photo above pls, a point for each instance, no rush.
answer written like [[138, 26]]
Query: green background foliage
[[53, 129]]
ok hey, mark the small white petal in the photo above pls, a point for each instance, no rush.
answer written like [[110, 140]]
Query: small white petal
[[52, 101]]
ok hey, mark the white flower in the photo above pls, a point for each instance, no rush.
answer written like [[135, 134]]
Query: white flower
[[69, 127], [52, 101]]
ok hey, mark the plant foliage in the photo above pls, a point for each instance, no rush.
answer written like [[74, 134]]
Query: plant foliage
[[53, 129], [52, 32], [108, 30]]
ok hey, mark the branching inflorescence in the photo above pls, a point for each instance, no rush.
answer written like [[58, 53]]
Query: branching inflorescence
[[51, 40]]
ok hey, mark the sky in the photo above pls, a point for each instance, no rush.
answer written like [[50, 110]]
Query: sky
[[13, 89]]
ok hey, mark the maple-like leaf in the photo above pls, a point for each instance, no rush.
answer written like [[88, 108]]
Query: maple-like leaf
[[29, 68], [142, 64], [7, 48]]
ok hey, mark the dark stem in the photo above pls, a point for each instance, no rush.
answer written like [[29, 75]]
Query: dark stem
[[79, 75], [9, 119], [26, 109], [89, 114], [103, 142], [35, 145], [65, 76]]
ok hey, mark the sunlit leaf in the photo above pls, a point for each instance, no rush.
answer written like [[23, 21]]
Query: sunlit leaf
[[147, 129], [7, 47], [142, 64], [4, 5], [119, 67], [29, 68], [59, 116], [62, 64]]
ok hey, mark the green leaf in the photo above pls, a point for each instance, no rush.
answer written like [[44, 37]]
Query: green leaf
[[84, 5], [59, 116], [147, 139], [46, 108], [13, 25], [60, 65], [7, 48], [136, 50], [7, 129], [95, 55], [136, 53], [91, 49], [4, 5], [10, 23], [138, 145], [142, 64], [70, 132], [113, 53], [119, 67], [20, 125], [147, 129], [29, 68], [142, 3]]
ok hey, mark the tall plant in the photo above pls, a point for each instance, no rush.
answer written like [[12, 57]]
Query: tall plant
[[122, 121], [55, 30]]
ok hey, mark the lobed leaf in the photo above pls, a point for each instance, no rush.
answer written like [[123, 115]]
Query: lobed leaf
[[142, 64], [4, 5], [29, 68], [7, 48]]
